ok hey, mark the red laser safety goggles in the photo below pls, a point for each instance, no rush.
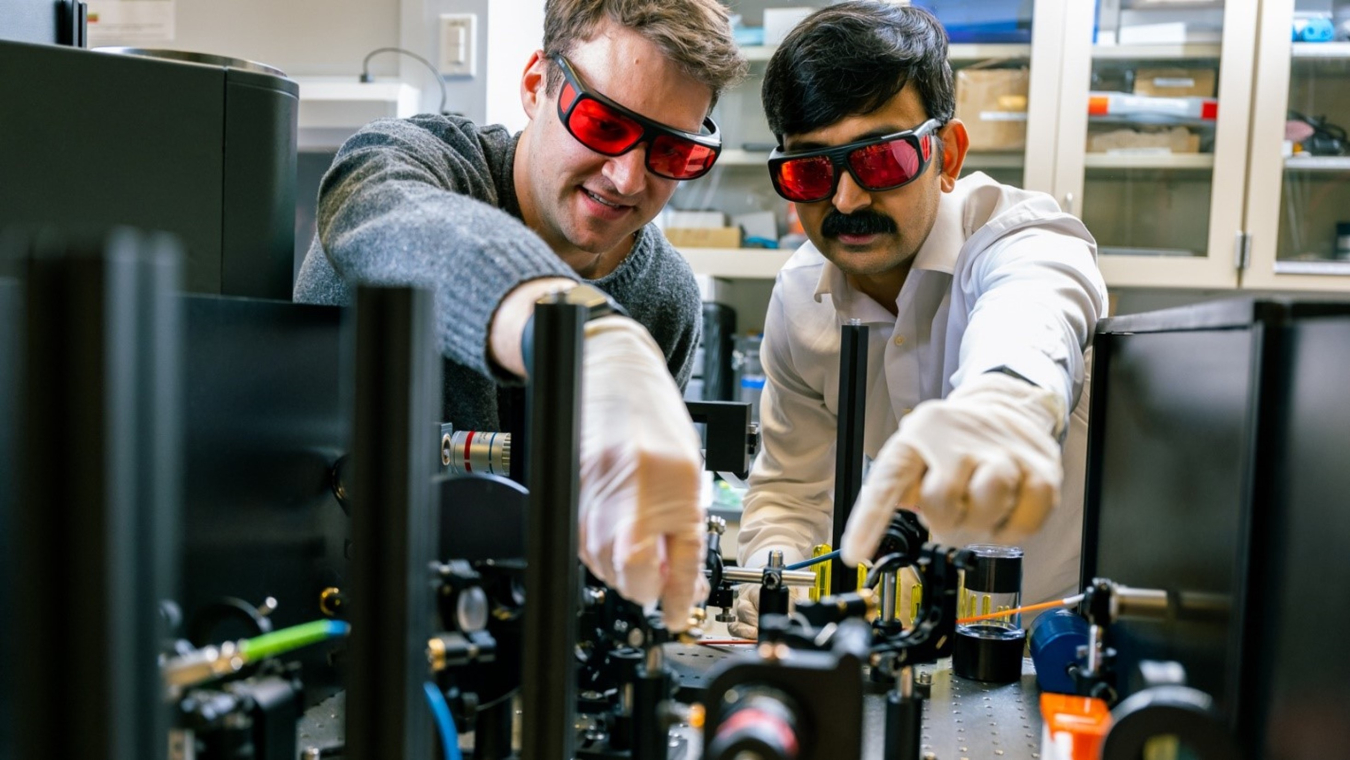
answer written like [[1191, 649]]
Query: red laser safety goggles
[[876, 163], [612, 130]]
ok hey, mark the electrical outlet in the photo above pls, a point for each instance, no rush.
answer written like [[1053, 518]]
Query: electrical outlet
[[458, 51]]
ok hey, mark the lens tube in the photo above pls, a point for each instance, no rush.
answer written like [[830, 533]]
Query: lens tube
[[990, 650]]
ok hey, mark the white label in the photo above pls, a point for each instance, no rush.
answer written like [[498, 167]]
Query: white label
[[1003, 115], [1128, 104], [130, 22], [1173, 82]]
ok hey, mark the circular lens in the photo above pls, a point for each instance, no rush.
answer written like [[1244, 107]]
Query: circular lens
[[884, 165], [761, 725], [806, 180], [471, 610], [677, 158], [602, 129], [995, 551]]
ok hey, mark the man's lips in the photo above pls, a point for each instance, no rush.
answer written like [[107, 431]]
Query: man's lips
[[857, 239], [605, 201]]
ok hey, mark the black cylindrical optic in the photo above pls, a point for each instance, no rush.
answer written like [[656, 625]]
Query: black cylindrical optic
[[904, 717], [989, 653], [762, 724], [997, 570]]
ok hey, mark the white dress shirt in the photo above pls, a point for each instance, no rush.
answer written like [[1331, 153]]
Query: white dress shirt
[[1004, 279]]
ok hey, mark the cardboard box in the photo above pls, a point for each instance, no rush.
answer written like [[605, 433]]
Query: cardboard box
[[1176, 83], [704, 237], [1174, 140], [993, 105]]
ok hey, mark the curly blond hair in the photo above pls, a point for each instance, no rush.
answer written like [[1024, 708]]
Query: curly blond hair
[[694, 34]]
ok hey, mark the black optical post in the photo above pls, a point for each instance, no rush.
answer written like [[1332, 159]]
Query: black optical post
[[398, 386], [552, 577], [848, 449], [95, 527]]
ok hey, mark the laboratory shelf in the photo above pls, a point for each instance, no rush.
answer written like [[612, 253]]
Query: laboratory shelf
[[1317, 163], [1149, 161], [1156, 52]]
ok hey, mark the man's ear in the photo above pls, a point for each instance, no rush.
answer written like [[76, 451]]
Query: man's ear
[[955, 143], [534, 83]]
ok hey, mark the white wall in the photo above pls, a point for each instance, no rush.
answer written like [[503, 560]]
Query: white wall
[[516, 29], [300, 37], [420, 32], [331, 37]]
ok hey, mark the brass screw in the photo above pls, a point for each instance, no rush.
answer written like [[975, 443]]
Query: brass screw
[[330, 601], [869, 598], [436, 654], [697, 715], [689, 637]]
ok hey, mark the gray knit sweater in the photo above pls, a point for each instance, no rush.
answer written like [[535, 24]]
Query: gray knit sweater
[[430, 201]]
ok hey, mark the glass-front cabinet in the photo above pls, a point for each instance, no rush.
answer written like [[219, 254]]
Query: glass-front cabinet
[[1153, 136], [994, 49], [1299, 194], [1203, 142]]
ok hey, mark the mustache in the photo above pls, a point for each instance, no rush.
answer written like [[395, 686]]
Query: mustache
[[864, 222]]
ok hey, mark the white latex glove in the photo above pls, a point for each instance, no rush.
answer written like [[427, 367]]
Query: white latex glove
[[983, 463], [642, 526], [746, 625]]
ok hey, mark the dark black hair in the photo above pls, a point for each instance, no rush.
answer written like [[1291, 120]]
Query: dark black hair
[[852, 58]]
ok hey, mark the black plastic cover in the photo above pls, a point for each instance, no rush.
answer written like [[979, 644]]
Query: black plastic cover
[[1217, 472], [94, 140]]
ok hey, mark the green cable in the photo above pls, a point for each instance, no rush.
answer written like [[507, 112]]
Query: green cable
[[288, 639]]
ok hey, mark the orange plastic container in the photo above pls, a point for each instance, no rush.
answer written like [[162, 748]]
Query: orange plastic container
[[1073, 727]]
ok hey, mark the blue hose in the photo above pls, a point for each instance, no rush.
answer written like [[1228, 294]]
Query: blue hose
[[445, 722]]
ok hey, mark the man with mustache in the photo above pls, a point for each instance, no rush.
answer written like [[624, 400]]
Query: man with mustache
[[980, 298], [619, 100]]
